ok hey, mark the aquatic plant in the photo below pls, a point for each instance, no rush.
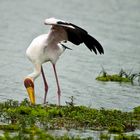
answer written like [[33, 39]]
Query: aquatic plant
[[137, 109], [35, 120], [105, 136], [71, 103], [122, 76], [126, 137], [37, 135]]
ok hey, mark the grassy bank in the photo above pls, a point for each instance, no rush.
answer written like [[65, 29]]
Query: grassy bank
[[36, 120]]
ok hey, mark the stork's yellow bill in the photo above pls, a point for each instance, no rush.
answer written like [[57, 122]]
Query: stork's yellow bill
[[28, 83]]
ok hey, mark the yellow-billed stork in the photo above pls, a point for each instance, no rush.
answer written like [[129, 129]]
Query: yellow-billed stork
[[48, 47]]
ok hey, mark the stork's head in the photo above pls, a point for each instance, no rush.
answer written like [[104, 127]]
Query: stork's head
[[29, 85]]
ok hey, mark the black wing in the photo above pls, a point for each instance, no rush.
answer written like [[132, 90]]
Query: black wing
[[79, 35]]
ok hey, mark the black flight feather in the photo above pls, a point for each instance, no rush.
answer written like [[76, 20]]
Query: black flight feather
[[79, 35], [93, 44]]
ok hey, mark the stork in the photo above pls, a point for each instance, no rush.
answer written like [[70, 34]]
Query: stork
[[48, 48]]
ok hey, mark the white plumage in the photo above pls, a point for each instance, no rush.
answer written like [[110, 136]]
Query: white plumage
[[40, 51]]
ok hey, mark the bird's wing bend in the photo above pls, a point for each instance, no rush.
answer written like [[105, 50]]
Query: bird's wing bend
[[77, 35], [54, 21]]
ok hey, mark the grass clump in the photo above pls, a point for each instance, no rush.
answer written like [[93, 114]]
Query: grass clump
[[126, 137], [122, 76], [105, 136]]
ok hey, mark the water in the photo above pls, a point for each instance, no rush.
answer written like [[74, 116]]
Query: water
[[85, 134], [115, 23]]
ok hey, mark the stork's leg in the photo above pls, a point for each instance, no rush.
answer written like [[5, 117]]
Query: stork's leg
[[45, 84], [57, 82]]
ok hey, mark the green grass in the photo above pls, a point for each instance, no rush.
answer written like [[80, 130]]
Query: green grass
[[114, 77], [36, 120], [122, 76]]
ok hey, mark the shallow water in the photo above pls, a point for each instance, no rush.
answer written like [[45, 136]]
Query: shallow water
[[116, 24], [85, 134]]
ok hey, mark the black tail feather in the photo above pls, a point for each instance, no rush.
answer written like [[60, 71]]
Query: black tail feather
[[93, 44]]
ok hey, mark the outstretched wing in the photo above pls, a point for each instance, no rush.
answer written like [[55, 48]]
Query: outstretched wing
[[77, 35]]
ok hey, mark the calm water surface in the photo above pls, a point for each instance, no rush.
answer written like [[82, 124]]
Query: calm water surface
[[115, 23]]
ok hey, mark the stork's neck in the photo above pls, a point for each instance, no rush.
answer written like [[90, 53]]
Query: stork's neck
[[36, 73]]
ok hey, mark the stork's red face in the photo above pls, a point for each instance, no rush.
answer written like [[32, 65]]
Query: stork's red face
[[28, 83]]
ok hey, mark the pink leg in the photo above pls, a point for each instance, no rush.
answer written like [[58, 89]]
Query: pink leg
[[45, 84], [58, 87]]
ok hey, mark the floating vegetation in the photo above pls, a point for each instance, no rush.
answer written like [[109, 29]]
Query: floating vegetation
[[126, 137], [33, 121], [122, 76]]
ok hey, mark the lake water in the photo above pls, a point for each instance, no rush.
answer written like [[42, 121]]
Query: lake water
[[115, 23]]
